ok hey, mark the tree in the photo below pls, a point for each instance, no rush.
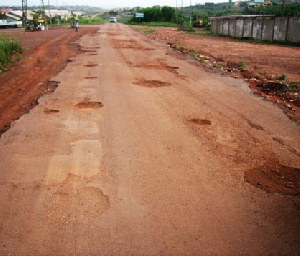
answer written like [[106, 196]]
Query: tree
[[168, 13]]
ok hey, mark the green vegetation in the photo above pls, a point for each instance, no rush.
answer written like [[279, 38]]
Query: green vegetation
[[192, 54], [289, 10], [9, 51], [222, 9], [241, 64], [218, 66], [154, 24], [82, 20], [295, 85], [145, 30], [282, 77], [156, 14], [85, 20]]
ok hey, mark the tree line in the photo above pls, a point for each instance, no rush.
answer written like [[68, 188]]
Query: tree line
[[157, 14]]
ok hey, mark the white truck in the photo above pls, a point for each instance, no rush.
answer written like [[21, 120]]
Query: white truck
[[10, 24]]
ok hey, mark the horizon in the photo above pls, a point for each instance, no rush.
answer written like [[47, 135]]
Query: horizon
[[103, 4]]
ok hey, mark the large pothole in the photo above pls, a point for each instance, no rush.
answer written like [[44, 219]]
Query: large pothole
[[89, 104], [152, 83], [280, 179]]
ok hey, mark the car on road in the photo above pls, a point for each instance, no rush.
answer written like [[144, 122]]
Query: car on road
[[113, 19]]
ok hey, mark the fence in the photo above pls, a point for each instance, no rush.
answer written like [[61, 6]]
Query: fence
[[285, 29]]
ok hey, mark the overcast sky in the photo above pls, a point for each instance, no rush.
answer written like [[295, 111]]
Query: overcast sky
[[108, 3]]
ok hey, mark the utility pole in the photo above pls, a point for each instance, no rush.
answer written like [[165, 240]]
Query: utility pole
[[44, 13], [181, 22], [24, 13], [190, 12], [49, 11]]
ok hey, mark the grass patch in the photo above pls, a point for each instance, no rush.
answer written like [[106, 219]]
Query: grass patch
[[154, 24], [218, 66], [295, 85], [9, 51], [90, 21], [282, 77], [257, 41], [203, 32], [145, 30], [192, 54], [241, 64], [149, 31]]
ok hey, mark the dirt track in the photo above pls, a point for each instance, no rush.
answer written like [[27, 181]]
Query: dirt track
[[140, 152], [261, 65], [268, 60]]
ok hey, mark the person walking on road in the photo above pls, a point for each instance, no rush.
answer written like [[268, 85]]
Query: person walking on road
[[76, 26]]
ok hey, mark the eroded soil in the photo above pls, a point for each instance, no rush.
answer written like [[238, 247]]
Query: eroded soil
[[264, 67], [46, 54], [272, 71]]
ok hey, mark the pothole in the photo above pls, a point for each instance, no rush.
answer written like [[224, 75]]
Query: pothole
[[91, 65], [256, 126], [88, 50], [124, 44], [50, 111], [172, 69], [200, 121], [152, 83], [90, 77], [75, 200], [89, 104], [280, 179], [51, 86]]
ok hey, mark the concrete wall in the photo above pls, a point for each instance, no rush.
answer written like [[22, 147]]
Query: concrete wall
[[280, 29], [239, 29], [268, 29], [231, 27], [293, 34], [248, 28], [213, 27], [225, 27], [258, 27]]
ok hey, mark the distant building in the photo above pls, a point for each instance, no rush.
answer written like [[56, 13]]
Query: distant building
[[17, 15], [4, 11]]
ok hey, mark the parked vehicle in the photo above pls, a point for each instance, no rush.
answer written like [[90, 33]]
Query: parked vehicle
[[113, 19], [10, 24]]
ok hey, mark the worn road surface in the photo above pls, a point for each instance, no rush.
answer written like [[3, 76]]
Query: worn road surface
[[138, 152]]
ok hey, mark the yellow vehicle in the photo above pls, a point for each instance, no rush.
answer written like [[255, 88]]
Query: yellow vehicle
[[198, 23]]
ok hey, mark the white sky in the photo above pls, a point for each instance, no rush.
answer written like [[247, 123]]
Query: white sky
[[109, 3]]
